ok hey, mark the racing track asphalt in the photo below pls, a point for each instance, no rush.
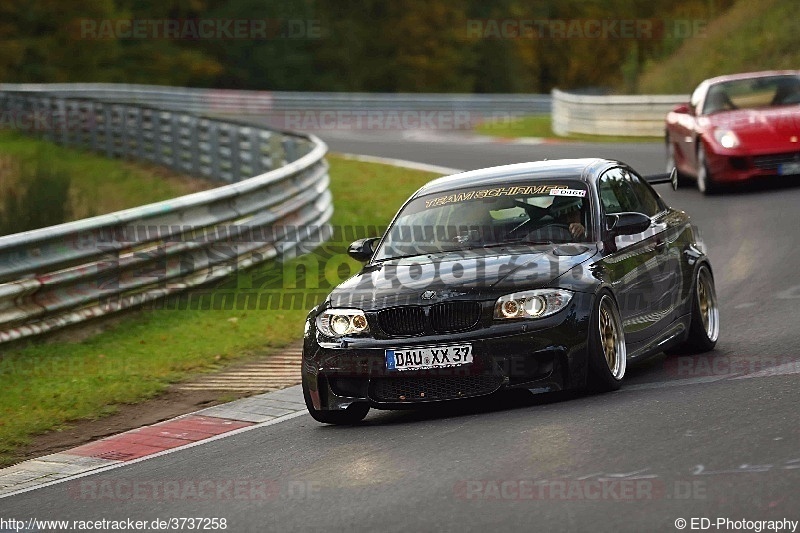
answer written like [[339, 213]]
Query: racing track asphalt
[[713, 435]]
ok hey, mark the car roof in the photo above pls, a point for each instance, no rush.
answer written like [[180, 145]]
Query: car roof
[[748, 75], [587, 170]]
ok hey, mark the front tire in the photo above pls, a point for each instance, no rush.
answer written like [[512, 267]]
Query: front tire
[[672, 165], [705, 180], [354, 414], [607, 350]]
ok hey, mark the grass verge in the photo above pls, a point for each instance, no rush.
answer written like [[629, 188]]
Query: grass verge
[[45, 385], [43, 184], [541, 126]]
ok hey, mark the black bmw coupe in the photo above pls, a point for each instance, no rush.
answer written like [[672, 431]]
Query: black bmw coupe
[[544, 276]]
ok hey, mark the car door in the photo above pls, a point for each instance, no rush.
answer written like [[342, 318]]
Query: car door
[[634, 264], [669, 232]]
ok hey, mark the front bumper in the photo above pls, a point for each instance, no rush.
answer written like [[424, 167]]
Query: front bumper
[[541, 355], [734, 167]]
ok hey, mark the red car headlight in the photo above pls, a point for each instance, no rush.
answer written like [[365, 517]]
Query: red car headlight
[[726, 138]]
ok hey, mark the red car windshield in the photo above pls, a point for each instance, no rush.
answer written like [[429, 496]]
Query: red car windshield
[[752, 93]]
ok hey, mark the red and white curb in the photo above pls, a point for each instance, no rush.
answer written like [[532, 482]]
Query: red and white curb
[[158, 439]]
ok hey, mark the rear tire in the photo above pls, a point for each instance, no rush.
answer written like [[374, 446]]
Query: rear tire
[[704, 325], [607, 351], [354, 414]]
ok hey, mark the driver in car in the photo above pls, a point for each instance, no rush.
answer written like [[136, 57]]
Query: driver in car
[[567, 211]]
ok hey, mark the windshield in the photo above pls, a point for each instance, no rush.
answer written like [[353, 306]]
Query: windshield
[[478, 217], [753, 93]]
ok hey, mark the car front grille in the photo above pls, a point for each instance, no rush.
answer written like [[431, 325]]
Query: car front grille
[[444, 317], [407, 320], [772, 161], [422, 389], [454, 316]]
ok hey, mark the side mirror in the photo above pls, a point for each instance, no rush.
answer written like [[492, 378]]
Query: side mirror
[[362, 249], [627, 223], [684, 109], [671, 178]]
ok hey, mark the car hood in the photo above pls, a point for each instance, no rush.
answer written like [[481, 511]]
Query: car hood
[[771, 127], [481, 273]]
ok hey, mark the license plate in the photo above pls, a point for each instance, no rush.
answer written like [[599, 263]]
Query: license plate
[[789, 168], [429, 357]]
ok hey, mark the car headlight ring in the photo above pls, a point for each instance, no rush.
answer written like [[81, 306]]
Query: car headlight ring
[[341, 322], [726, 138], [531, 304]]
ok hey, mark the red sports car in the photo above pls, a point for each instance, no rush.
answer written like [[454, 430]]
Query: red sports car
[[735, 128]]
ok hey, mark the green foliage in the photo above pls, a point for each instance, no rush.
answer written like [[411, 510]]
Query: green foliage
[[42, 184], [45, 41], [359, 45], [40, 200], [746, 38]]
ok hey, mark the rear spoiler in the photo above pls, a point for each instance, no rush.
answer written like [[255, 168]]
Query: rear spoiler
[[671, 177]]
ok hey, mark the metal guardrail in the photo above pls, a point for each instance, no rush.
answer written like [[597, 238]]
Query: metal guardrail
[[56, 276], [571, 113], [223, 101], [641, 115]]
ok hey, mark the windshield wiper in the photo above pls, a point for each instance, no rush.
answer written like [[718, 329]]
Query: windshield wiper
[[529, 242], [549, 243], [471, 247], [384, 259]]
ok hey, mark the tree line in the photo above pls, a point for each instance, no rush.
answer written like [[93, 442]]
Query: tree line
[[338, 45]]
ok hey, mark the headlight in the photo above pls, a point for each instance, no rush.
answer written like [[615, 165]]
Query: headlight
[[532, 304], [341, 322], [727, 138]]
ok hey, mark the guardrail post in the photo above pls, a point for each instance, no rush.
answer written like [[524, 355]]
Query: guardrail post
[[175, 131], [234, 137], [95, 125], [157, 144], [276, 153], [194, 146], [107, 131], [138, 134], [124, 133], [225, 142], [148, 135], [62, 122], [213, 147], [48, 132], [256, 165]]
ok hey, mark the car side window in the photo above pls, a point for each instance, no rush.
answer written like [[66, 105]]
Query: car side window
[[649, 202], [616, 192]]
